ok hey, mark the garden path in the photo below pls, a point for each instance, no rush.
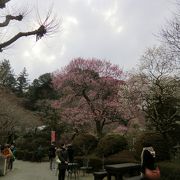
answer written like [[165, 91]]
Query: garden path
[[24, 170]]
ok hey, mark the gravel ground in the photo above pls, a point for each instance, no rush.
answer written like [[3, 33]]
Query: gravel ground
[[24, 170]]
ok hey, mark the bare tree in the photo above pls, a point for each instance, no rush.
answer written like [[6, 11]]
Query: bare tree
[[154, 90], [160, 98], [13, 116], [170, 34], [47, 26]]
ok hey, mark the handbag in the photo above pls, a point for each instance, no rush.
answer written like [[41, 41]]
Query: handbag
[[58, 160], [152, 174]]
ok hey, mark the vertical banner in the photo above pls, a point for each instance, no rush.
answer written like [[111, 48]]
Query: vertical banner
[[53, 136]]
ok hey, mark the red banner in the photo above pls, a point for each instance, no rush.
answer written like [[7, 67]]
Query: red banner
[[53, 136]]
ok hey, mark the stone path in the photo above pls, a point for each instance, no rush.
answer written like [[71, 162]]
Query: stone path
[[24, 170]]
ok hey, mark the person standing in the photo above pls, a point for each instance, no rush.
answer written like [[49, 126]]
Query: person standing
[[39, 153], [63, 157], [12, 158], [149, 169], [70, 152], [6, 151], [57, 160], [52, 155]]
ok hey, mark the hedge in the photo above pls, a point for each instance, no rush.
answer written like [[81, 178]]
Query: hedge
[[92, 161], [124, 156], [169, 170], [84, 144], [97, 162], [160, 145], [111, 144]]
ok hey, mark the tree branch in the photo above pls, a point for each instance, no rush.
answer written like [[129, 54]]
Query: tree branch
[[39, 34], [3, 3], [9, 18], [89, 102]]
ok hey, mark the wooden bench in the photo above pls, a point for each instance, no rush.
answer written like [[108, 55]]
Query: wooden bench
[[99, 175]]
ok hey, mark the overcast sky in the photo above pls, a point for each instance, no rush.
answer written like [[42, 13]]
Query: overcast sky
[[115, 30]]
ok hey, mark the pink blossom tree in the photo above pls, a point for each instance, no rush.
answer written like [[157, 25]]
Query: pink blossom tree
[[131, 100], [131, 96], [89, 93]]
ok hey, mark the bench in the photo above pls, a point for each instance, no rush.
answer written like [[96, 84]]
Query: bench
[[99, 175], [85, 169], [103, 174], [73, 169], [133, 178], [120, 170]]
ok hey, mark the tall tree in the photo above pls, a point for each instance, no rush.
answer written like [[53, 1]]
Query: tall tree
[[130, 98], [40, 95], [160, 92], [50, 116], [170, 35], [45, 27], [89, 91], [22, 82], [7, 77], [41, 89], [155, 91]]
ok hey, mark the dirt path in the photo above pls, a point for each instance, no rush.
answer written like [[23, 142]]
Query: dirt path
[[24, 170]]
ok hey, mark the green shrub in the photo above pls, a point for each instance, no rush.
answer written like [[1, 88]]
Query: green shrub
[[26, 143], [20, 154], [27, 146], [19, 142], [84, 144], [157, 141], [124, 156], [169, 170], [41, 141], [95, 162], [91, 161], [111, 144], [28, 156]]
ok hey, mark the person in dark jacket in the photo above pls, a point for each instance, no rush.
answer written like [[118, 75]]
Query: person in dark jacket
[[63, 157], [147, 159], [52, 155], [70, 151], [12, 159]]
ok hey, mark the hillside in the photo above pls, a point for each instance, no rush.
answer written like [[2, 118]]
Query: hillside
[[13, 116]]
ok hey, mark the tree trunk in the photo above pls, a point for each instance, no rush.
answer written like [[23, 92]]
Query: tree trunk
[[98, 129]]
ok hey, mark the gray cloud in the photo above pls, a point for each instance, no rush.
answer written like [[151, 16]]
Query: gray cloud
[[116, 30]]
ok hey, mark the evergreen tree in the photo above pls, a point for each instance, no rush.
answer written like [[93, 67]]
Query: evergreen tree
[[41, 89], [22, 82], [7, 77]]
